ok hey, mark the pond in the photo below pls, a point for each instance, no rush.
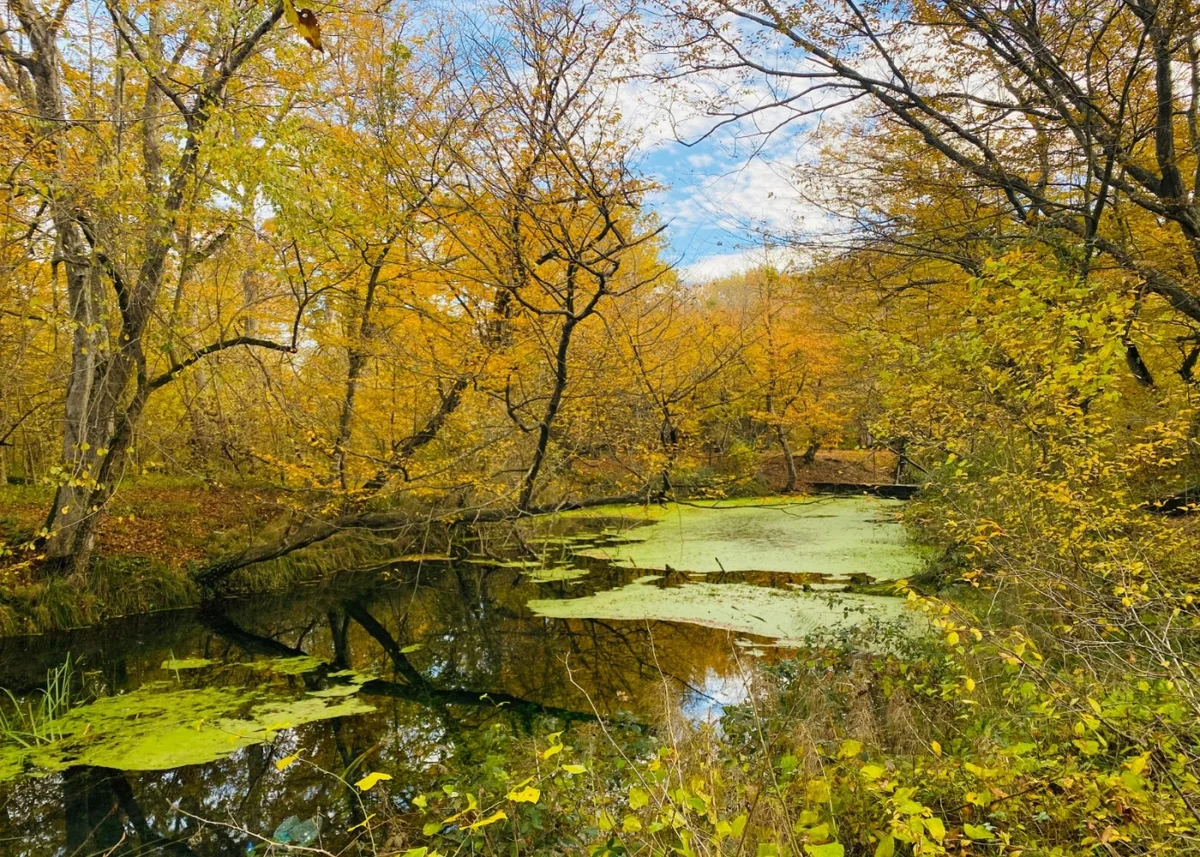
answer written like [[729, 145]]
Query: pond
[[612, 612]]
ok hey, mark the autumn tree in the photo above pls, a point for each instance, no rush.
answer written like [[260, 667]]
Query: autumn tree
[[122, 139], [1076, 127], [545, 202]]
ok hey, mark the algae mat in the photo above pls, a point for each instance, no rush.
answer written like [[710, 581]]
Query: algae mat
[[162, 725], [784, 615], [832, 536]]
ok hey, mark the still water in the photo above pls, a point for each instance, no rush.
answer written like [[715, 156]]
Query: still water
[[621, 612]]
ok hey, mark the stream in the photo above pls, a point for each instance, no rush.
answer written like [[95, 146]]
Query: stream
[[613, 612]]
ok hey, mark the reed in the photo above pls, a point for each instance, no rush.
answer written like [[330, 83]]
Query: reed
[[35, 721]]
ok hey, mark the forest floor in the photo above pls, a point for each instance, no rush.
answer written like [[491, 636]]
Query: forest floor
[[167, 520], [856, 466]]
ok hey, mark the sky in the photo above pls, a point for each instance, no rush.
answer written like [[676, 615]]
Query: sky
[[719, 205], [725, 189], [717, 200]]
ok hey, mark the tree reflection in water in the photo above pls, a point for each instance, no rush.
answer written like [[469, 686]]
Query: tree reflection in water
[[449, 651]]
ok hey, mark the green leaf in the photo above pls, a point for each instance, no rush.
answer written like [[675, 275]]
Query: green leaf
[[414, 647], [829, 849], [977, 831], [638, 798], [574, 769], [819, 833], [886, 846], [849, 749]]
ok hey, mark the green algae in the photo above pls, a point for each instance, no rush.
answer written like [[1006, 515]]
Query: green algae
[[187, 663], [298, 665], [833, 536], [552, 575], [160, 726], [780, 614]]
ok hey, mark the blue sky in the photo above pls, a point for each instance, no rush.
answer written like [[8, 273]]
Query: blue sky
[[718, 204], [725, 191]]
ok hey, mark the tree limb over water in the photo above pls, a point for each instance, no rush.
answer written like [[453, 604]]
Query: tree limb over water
[[317, 531]]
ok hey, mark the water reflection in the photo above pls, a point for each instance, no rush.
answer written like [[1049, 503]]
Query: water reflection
[[447, 649]]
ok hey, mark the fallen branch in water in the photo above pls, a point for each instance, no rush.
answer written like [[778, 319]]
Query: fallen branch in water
[[317, 530]]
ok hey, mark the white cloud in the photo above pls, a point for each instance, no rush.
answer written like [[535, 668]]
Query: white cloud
[[720, 265], [725, 264]]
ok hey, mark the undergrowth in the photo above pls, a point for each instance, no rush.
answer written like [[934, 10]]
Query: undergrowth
[[965, 741]]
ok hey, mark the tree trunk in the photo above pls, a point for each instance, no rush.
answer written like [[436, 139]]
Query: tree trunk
[[81, 421], [556, 394], [788, 459], [98, 427], [357, 360]]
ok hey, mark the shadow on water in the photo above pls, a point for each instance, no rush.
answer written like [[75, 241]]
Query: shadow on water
[[442, 652]]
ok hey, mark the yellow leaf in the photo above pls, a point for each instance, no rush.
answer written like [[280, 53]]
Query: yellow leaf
[[420, 801], [552, 750], [289, 13], [937, 748], [362, 823], [371, 780], [498, 815], [529, 794], [935, 827], [574, 769], [285, 761]]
